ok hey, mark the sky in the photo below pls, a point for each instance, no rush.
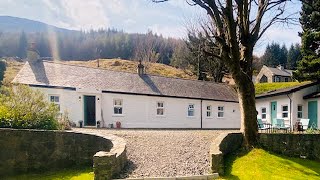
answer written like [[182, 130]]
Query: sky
[[169, 19]]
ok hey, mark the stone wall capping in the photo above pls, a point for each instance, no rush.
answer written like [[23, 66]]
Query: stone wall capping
[[196, 177]]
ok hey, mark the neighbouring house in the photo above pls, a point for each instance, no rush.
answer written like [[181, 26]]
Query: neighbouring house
[[278, 74], [92, 95], [291, 104]]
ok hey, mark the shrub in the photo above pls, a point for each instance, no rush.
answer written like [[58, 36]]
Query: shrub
[[2, 70], [24, 108]]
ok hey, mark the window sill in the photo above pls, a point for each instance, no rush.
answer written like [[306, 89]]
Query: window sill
[[160, 116], [191, 117], [220, 117], [117, 115], [209, 117]]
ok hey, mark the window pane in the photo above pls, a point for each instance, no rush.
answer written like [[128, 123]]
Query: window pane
[[208, 114], [118, 102], [191, 106], [56, 99], [299, 108], [263, 116], [160, 104], [190, 113], [220, 114], [208, 107], [51, 98], [117, 110], [284, 108], [263, 110], [220, 108], [284, 115], [159, 111], [299, 114]]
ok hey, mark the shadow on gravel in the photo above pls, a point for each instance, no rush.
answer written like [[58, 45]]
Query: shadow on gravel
[[127, 170]]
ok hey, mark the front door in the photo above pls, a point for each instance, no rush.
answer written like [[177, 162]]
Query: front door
[[313, 114], [89, 105], [274, 113]]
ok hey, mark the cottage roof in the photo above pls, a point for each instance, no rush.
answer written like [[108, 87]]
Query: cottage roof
[[285, 91], [51, 74], [279, 72]]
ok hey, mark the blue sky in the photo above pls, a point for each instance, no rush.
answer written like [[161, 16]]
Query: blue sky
[[169, 19]]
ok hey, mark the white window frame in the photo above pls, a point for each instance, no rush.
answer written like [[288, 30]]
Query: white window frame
[[220, 111], [191, 109], [117, 106], [159, 107], [209, 111], [264, 113], [284, 112], [57, 103], [299, 112]]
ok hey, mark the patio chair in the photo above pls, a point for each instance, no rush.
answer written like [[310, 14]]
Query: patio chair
[[304, 123], [280, 125], [262, 125]]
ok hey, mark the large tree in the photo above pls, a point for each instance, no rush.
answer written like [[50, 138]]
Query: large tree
[[238, 26], [309, 66], [294, 56]]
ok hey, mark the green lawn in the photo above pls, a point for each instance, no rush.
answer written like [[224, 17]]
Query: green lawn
[[72, 174], [265, 87], [259, 164]]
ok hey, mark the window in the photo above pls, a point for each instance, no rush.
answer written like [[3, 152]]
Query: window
[[263, 113], [160, 108], [299, 111], [286, 79], [191, 110], [285, 111], [209, 111], [220, 111], [117, 106], [55, 99]]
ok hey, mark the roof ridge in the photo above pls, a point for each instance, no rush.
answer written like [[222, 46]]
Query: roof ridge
[[75, 65]]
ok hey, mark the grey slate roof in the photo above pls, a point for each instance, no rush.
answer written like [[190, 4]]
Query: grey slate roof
[[277, 71], [50, 74], [285, 91]]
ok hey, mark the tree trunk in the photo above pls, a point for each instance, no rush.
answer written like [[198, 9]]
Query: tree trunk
[[246, 94]]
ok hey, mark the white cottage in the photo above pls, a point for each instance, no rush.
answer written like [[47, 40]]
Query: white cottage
[[290, 104], [94, 95]]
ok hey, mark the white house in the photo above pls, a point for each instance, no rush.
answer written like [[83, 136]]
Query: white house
[[291, 104], [94, 95]]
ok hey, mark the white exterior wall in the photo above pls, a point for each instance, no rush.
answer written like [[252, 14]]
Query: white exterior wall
[[140, 111], [231, 117], [266, 103]]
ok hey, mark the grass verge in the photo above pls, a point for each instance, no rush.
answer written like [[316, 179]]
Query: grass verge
[[260, 164], [68, 174]]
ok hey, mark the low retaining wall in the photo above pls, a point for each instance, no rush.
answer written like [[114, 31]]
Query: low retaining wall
[[295, 145], [223, 145], [23, 151]]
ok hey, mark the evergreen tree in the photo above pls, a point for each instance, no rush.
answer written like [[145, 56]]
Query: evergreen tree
[[274, 55], [23, 45], [309, 66], [294, 56]]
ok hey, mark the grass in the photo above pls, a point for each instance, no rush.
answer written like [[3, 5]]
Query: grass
[[70, 174], [260, 164], [265, 87]]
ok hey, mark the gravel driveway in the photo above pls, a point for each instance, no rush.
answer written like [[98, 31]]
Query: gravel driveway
[[165, 153]]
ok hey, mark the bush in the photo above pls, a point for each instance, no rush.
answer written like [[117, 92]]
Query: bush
[[24, 108]]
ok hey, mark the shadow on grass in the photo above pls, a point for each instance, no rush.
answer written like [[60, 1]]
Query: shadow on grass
[[228, 163]]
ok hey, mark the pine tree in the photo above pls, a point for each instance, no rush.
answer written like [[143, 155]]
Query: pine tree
[[294, 56], [274, 55], [309, 66]]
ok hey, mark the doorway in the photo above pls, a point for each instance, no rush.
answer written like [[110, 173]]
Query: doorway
[[89, 105], [274, 113], [313, 114]]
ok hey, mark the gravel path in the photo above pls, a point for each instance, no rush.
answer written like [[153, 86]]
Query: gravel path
[[165, 153]]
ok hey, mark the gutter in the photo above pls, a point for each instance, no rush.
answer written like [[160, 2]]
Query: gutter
[[290, 112], [201, 113]]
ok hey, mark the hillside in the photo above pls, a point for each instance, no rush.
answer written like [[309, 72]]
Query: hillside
[[16, 24], [13, 68]]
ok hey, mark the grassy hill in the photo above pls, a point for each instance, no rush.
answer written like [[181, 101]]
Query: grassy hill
[[13, 68]]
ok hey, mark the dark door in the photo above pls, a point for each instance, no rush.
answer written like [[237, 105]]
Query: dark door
[[89, 103]]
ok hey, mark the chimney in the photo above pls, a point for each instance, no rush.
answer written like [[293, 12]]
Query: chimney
[[140, 68], [280, 67], [32, 53]]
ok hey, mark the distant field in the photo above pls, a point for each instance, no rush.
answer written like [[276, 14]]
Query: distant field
[[265, 87]]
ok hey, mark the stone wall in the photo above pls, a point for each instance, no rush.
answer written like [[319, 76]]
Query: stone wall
[[295, 145], [23, 151], [220, 147]]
